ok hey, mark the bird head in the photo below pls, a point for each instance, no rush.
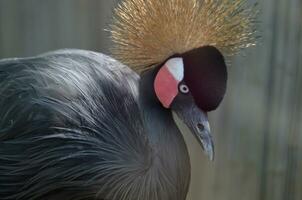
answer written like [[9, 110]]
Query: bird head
[[185, 41], [192, 84]]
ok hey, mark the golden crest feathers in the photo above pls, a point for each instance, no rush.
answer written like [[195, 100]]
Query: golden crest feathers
[[147, 32]]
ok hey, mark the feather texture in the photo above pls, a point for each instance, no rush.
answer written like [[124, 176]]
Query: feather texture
[[71, 128], [147, 32]]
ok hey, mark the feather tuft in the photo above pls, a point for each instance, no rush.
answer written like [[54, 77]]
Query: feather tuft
[[147, 32]]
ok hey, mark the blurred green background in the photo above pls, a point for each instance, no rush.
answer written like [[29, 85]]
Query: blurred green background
[[257, 129]]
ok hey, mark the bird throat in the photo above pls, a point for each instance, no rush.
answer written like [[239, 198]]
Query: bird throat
[[158, 120], [150, 105], [169, 151]]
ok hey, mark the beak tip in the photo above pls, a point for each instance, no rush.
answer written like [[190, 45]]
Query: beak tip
[[208, 147], [210, 153], [211, 158]]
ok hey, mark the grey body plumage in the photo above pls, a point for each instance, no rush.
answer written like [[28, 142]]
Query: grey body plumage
[[76, 125]]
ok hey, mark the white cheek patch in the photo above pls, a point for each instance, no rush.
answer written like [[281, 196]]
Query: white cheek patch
[[176, 68]]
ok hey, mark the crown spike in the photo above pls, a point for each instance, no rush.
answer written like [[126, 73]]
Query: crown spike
[[147, 32]]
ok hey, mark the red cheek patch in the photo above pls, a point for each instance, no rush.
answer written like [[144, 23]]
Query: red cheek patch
[[165, 86]]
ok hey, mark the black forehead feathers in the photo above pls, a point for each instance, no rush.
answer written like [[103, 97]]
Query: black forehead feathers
[[206, 76]]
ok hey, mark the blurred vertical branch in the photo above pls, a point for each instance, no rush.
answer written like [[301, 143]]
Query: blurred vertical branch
[[281, 155]]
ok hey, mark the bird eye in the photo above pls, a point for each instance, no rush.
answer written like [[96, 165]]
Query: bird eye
[[184, 89]]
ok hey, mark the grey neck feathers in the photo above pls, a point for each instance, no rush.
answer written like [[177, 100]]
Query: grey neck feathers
[[162, 131], [158, 120], [170, 155]]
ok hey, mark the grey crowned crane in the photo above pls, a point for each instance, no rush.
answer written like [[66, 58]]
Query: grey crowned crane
[[80, 125]]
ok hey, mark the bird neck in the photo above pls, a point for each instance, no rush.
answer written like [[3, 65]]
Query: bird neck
[[169, 152], [160, 125]]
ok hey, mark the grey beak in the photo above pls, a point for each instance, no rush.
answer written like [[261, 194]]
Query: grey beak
[[205, 139], [197, 121]]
